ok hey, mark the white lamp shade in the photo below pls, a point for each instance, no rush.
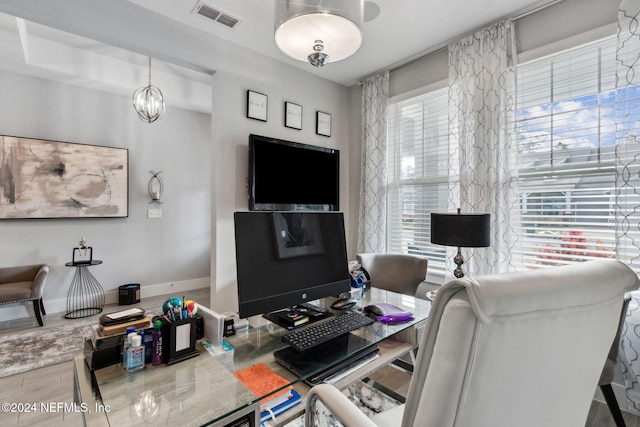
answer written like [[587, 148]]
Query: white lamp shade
[[296, 37], [335, 23]]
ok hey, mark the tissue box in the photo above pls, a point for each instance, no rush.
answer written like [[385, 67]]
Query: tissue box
[[223, 353]]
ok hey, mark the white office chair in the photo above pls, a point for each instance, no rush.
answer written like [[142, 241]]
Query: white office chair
[[523, 349]]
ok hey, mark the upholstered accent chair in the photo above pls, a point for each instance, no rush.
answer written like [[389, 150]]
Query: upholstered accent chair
[[400, 273], [515, 349], [24, 283]]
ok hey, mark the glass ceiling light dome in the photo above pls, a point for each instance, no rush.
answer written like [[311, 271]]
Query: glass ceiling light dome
[[319, 31]]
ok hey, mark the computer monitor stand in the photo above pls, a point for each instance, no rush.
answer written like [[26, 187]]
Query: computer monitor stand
[[297, 315]]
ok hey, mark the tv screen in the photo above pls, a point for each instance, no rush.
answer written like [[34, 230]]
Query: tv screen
[[288, 258], [286, 176]]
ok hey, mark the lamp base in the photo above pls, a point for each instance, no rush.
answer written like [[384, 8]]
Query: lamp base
[[459, 260]]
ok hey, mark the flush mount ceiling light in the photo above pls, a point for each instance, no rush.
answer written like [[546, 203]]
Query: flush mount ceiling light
[[148, 101], [322, 32]]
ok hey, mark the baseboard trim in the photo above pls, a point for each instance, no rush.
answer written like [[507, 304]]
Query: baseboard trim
[[10, 312]]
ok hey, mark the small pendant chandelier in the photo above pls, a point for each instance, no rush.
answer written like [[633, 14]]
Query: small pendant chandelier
[[148, 101]]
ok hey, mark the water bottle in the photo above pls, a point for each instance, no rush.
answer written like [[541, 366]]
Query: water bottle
[[357, 286], [126, 344], [135, 354]]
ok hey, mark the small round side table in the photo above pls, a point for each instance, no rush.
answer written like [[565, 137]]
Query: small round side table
[[86, 295]]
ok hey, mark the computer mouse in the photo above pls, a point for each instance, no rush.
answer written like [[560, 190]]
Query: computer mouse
[[343, 303], [387, 313], [374, 309]]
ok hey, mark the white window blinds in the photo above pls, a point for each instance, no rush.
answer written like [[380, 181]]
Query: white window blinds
[[418, 174], [566, 136]]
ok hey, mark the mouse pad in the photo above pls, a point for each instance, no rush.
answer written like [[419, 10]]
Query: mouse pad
[[326, 358], [387, 313]]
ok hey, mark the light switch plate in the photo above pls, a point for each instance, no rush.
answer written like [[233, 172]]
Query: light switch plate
[[154, 213]]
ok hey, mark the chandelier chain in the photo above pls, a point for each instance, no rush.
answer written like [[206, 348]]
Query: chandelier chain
[[149, 71]]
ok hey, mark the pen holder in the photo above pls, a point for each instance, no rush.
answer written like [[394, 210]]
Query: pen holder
[[179, 340]]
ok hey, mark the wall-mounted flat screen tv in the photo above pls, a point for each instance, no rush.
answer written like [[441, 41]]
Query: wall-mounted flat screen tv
[[288, 176]]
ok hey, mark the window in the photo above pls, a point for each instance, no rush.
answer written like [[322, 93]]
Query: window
[[418, 174], [566, 136]]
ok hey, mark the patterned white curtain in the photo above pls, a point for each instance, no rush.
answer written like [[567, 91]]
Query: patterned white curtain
[[627, 139], [373, 182], [481, 120], [628, 186]]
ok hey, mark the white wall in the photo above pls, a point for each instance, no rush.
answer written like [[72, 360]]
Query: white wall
[[355, 154], [153, 252], [231, 131], [204, 164], [221, 166]]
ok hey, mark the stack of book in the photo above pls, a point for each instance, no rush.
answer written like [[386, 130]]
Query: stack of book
[[117, 323], [261, 381], [278, 405], [293, 318]]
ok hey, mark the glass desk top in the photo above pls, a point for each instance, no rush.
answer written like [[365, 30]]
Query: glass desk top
[[203, 390]]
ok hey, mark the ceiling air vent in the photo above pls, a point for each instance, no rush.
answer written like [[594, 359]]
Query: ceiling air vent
[[227, 20], [216, 15], [208, 12]]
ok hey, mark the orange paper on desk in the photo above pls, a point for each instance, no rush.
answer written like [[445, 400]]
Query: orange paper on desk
[[261, 380]]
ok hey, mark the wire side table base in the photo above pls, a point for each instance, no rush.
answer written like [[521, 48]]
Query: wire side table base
[[86, 295]]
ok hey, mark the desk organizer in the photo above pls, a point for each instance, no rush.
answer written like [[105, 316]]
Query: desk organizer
[[129, 294], [178, 340]]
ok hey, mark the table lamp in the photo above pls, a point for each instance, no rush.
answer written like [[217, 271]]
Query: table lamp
[[461, 230]]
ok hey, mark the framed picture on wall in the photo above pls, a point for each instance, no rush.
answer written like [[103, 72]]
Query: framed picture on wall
[[293, 115], [256, 106], [323, 123], [51, 179]]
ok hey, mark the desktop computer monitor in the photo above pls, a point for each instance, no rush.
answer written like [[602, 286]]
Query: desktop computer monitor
[[288, 258]]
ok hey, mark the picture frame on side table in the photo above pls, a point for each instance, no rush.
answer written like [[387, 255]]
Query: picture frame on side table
[[293, 115], [257, 106], [323, 123]]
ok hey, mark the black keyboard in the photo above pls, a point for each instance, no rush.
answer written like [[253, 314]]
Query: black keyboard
[[317, 333]]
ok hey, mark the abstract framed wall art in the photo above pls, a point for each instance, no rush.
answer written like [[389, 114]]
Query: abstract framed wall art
[[51, 179]]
